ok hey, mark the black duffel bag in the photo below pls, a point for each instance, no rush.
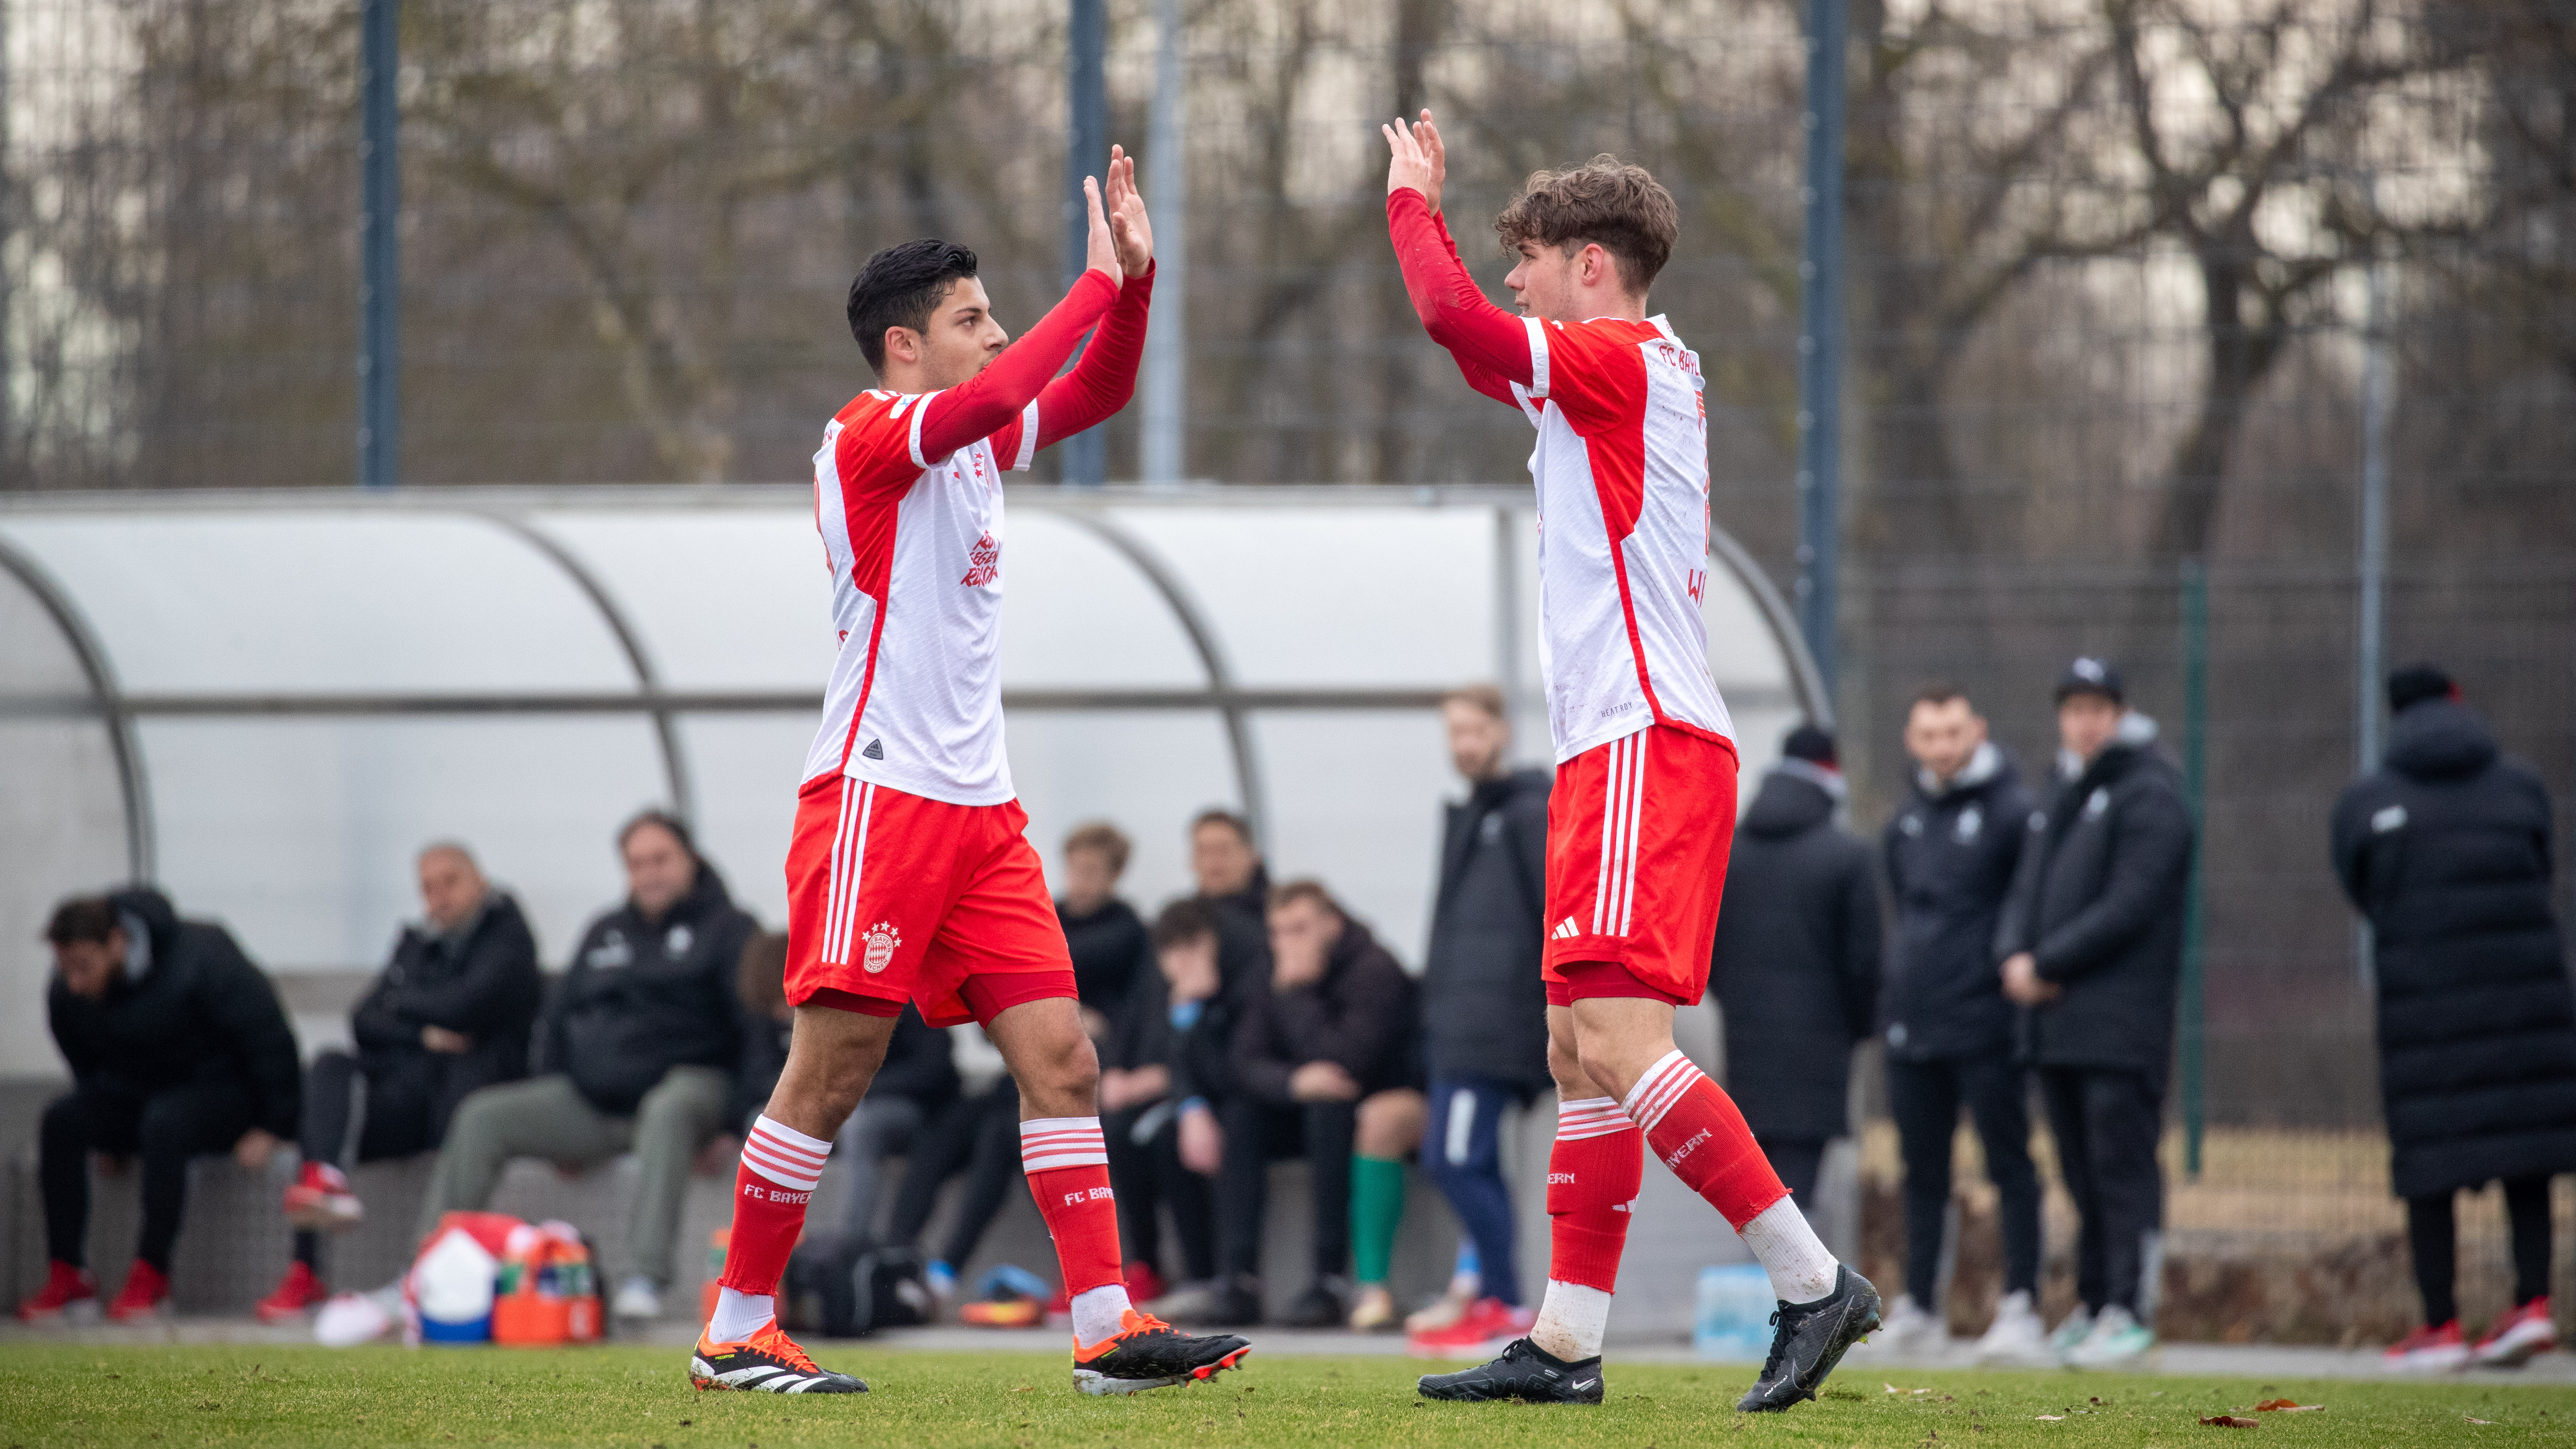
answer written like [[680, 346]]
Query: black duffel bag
[[850, 1287]]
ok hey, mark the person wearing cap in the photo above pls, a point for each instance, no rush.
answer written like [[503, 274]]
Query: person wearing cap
[[1949, 855], [1795, 967], [2445, 848], [2091, 947]]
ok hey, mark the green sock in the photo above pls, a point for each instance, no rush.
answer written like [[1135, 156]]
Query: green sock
[[1377, 1206]]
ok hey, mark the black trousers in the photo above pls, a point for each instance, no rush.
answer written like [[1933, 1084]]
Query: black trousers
[[164, 1130], [2106, 1123], [1798, 1161], [979, 1136], [2432, 1236], [351, 1117], [1925, 1098], [1258, 1134], [1149, 1179]]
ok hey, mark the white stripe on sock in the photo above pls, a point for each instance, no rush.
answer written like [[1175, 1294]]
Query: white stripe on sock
[[1047, 1143]]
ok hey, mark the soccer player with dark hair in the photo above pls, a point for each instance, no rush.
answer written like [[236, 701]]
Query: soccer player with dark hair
[[910, 877], [1644, 802]]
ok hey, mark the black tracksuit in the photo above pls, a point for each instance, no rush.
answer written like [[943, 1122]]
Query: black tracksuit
[[188, 1051], [1484, 1002], [643, 998], [1361, 1014], [2098, 901], [2447, 850], [1795, 969], [1949, 856], [481, 980]]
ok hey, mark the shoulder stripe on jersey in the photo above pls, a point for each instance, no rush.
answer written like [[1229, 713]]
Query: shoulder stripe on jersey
[[1028, 438], [1538, 356], [920, 410], [1665, 327], [1521, 395]]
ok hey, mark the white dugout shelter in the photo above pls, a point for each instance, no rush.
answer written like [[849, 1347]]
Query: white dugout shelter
[[268, 702]]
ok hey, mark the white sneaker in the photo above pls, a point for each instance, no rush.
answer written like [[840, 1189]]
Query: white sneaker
[[2070, 1331], [2118, 1340], [637, 1299], [2017, 1336], [351, 1319], [1906, 1331]]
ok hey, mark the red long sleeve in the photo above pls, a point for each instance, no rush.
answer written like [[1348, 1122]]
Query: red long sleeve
[[1102, 382], [981, 406], [1491, 345]]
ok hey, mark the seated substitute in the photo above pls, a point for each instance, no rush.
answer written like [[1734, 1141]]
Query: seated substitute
[[449, 1014], [178, 1049], [1104, 934], [1327, 1068], [638, 1051], [1166, 1060]]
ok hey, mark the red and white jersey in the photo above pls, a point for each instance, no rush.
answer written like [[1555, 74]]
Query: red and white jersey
[[915, 546], [1622, 472]]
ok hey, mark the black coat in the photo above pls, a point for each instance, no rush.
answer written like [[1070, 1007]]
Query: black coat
[[1795, 965], [480, 980], [641, 999], [1110, 952], [1361, 1014], [2446, 849], [191, 1009], [1243, 934], [2098, 902], [1200, 1055], [1950, 855], [1484, 1005], [918, 1065]]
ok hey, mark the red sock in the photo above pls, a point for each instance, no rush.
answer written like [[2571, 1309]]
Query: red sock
[[1593, 1173], [1068, 1170], [1693, 1126], [780, 1166]]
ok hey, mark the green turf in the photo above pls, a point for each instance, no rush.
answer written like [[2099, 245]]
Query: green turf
[[65, 1394]]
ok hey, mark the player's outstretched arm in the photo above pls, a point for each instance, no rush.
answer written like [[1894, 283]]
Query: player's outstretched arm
[[1454, 310], [980, 407], [1103, 381]]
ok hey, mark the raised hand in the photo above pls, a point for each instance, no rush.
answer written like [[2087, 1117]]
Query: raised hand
[[1127, 223], [1100, 246], [1418, 159]]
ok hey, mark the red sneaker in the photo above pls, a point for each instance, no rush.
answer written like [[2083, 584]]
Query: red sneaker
[[1480, 1333], [2429, 1349], [68, 1292], [146, 1289], [301, 1289], [320, 1200], [1144, 1285], [2513, 1339]]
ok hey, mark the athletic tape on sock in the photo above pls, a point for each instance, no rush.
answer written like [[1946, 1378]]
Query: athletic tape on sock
[[1589, 1117], [1661, 1086], [1047, 1143], [784, 1155]]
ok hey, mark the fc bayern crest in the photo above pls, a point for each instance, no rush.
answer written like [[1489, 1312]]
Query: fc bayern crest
[[882, 938]]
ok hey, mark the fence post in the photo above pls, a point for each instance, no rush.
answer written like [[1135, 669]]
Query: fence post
[[1085, 454], [2190, 1046], [1165, 449], [380, 246], [1820, 344]]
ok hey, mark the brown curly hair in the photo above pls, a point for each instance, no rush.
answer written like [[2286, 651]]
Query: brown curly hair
[[1604, 200]]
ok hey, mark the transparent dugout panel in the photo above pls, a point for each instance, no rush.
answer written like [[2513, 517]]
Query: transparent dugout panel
[[1355, 800]]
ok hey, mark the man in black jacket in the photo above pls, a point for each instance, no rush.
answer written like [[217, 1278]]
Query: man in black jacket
[[1484, 1009], [1325, 1068], [2091, 942], [1235, 884], [178, 1049], [450, 1014], [1167, 1062], [1104, 934], [1950, 855], [639, 1048], [1795, 965], [2446, 850]]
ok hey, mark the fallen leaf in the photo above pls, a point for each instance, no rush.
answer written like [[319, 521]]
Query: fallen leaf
[[2268, 1405], [2052, 1418], [2474, 1419], [2232, 1421], [1891, 1388]]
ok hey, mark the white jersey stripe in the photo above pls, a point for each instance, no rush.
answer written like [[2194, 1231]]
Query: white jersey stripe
[[1636, 822], [840, 881], [920, 410], [858, 865], [1028, 452], [1538, 356], [1609, 838]]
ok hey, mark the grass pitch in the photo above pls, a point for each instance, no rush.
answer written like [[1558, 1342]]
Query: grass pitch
[[69, 1394]]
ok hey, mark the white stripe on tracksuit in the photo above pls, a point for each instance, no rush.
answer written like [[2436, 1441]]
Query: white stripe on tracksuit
[[1623, 794], [849, 854]]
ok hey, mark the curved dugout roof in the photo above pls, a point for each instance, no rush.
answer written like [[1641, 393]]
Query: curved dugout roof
[[269, 702]]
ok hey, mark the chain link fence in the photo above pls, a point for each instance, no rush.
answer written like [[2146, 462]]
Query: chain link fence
[[2110, 296]]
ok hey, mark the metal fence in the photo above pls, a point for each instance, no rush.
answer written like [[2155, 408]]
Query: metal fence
[[2118, 269]]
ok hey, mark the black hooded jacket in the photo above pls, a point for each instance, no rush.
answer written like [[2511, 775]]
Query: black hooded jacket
[[1243, 934], [1110, 954], [1484, 1005], [2446, 849], [1950, 855], [191, 1009], [480, 979], [2098, 902], [641, 999], [1360, 1014], [1795, 966]]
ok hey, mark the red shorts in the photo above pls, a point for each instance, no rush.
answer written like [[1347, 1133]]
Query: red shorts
[[1637, 836], [894, 898]]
